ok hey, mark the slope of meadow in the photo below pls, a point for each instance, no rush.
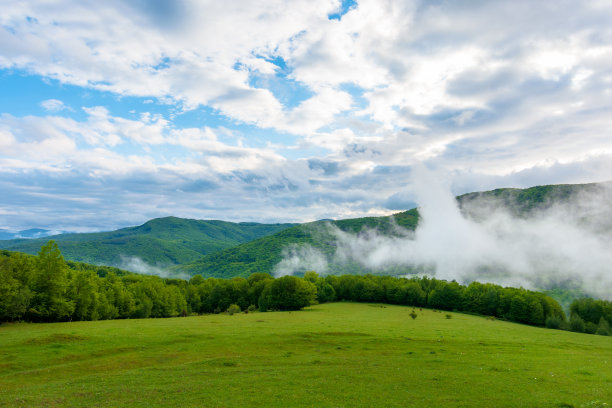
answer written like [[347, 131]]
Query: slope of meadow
[[331, 355]]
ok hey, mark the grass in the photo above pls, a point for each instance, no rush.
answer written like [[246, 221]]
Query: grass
[[332, 355]]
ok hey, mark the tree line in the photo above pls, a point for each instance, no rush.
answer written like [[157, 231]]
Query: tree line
[[43, 288]]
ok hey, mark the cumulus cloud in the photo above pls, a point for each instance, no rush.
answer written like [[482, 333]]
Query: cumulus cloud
[[123, 49], [308, 116]]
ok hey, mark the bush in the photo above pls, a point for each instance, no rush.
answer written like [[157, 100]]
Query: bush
[[233, 308], [252, 308], [413, 315], [449, 316]]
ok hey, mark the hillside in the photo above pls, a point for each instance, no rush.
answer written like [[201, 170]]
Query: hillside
[[329, 355], [262, 255], [161, 241]]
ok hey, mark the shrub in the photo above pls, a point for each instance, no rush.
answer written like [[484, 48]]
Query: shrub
[[413, 315], [252, 308], [233, 308], [449, 316]]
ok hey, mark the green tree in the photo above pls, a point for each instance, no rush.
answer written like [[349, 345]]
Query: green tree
[[536, 311], [415, 296], [287, 293], [119, 301], [84, 293], [325, 291], [14, 295], [257, 283], [603, 328], [311, 276], [446, 296], [576, 324], [49, 284], [554, 322], [592, 310], [519, 308]]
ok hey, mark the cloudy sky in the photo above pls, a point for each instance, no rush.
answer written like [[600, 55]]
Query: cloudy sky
[[114, 112]]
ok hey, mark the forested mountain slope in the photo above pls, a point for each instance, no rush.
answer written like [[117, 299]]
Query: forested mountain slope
[[161, 241], [263, 254]]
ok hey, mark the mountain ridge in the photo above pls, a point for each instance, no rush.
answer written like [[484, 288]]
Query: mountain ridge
[[264, 254], [160, 241], [216, 248]]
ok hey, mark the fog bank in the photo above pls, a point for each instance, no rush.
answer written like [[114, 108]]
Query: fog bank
[[567, 244]]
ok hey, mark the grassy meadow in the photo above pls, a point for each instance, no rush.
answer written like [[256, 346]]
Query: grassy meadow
[[330, 355]]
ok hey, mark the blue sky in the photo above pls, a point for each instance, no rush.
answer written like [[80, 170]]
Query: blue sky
[[113, 113]]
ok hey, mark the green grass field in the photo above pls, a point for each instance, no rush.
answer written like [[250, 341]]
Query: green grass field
[[332, 355]]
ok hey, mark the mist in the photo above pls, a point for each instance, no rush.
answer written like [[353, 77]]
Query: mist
[[296, 258], [135, 264], [564, 245]]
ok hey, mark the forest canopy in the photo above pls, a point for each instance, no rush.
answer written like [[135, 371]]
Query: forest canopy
[[44, 288]]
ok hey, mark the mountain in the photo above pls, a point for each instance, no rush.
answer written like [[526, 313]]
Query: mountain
[[261, 255], [225, 249], [29, 233], [264, 254], [161, 241]]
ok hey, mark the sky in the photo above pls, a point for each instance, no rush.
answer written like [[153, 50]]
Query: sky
[[114, 112]]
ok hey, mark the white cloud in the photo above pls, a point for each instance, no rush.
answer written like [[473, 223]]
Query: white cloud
[[123, 48], [53, 105], [493, 92]]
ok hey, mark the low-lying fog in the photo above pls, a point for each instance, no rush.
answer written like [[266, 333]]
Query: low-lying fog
[[568, 244]]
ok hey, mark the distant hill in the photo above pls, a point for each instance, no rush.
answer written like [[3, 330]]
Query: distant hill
[[226, 249], [161, 241], [29, 233], [263, 254], [521, 202]]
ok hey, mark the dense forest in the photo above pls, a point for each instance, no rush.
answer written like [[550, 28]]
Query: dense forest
[[44, 288], [261, 255], [164, 241]]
